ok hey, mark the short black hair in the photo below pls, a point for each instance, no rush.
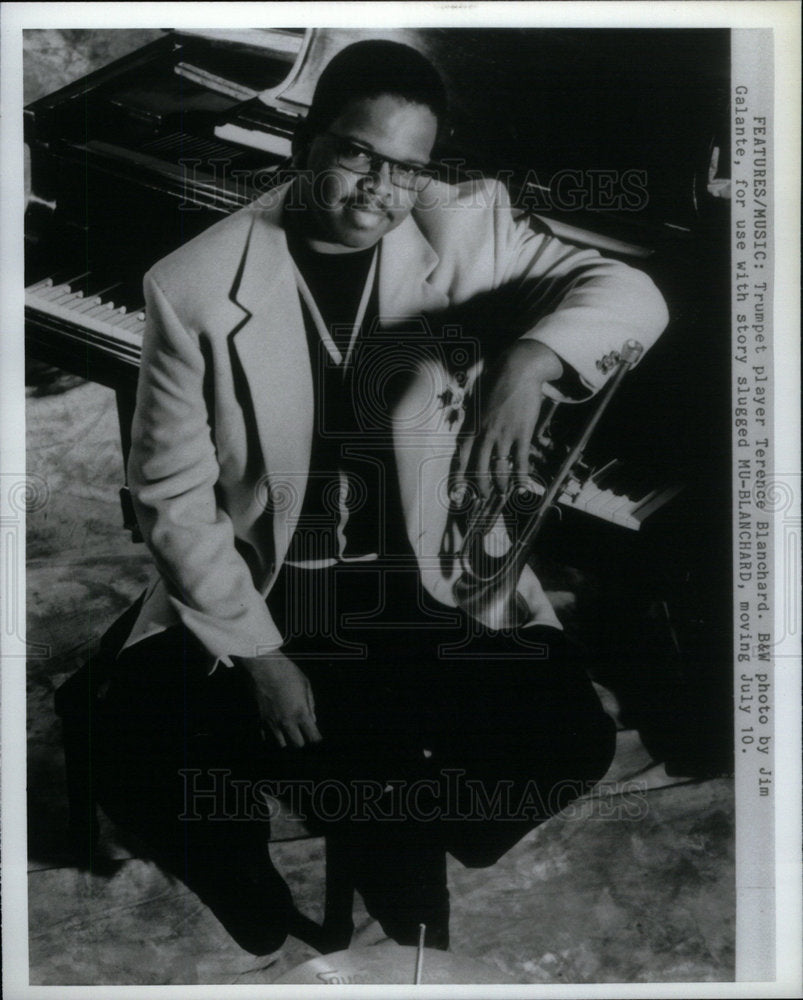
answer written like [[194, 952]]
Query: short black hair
[[367, 69]]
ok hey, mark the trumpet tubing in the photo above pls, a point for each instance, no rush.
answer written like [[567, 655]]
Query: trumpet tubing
[[487, 586]]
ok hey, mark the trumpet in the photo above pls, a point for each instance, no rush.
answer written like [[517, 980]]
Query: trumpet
[[487, 586]]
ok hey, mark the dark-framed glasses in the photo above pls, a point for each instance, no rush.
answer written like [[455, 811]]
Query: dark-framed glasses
[[353, 156]]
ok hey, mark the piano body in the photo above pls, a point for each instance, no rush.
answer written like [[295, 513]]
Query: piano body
[[609, 137]]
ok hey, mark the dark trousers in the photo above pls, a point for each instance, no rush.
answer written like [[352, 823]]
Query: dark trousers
[[437, 736]]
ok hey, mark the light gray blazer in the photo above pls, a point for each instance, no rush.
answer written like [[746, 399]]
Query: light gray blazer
[[223, 424]]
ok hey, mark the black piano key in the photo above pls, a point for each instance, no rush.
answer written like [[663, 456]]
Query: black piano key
[[78, 280], [97, 282], [129, 293], [605, 478], [642, 482], [104, 290], [131, 298], [90, 283], [628, 480], [113, 290], [44, 285], [69, 275], [631, 481]]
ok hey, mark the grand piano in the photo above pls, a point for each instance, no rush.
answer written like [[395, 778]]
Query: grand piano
[[615, 139]]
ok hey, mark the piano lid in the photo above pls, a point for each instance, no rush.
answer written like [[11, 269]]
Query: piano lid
[[241, 63], [599, 131], [294, 95]]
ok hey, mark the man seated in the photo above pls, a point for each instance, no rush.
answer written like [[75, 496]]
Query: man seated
[[299, 426]]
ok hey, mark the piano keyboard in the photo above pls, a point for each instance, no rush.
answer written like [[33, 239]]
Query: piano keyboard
[[102, 316], [618, 494]]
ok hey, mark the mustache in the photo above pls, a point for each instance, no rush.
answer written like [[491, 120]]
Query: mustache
[[370, 205]]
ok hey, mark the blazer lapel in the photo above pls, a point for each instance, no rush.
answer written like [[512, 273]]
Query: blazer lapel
[[406, 263], [272, 348]]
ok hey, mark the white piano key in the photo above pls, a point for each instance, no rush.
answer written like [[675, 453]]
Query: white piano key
[[625, 514], [44, 283], [63, 287], [604, 504], [627, 520], [621, 514], [602, 477], [68, 297], [624, 519], [609, 507], [87, 304], [119, 316], [113, 317], [50, 294], [618, 496], [43, 294], [97, 311], [103, 295], [134, 321], [54, 292], [587, 495]]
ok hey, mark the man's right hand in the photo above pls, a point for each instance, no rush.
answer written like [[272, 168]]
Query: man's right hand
[[284, 696]]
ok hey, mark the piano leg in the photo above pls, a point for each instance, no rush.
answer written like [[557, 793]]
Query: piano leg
[[126, 396]]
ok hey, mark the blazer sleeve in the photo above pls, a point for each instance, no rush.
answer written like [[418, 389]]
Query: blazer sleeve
[[172, 474], [580, 304]]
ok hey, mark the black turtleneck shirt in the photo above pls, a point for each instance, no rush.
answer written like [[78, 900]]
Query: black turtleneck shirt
[[351, 457]]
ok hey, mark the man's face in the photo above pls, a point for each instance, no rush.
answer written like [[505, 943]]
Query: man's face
[[353, 210]]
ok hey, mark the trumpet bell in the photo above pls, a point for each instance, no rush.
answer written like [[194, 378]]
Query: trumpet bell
[[487, 587], [499, 608]]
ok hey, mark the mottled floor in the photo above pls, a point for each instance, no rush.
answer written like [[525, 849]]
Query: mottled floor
[[635, 884]]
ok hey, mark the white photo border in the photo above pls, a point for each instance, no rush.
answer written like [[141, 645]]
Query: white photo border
[[780, 18]]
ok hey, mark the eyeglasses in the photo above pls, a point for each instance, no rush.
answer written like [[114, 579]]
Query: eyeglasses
[[361, 160]]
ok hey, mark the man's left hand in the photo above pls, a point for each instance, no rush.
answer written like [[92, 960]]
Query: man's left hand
[[510, 404]]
